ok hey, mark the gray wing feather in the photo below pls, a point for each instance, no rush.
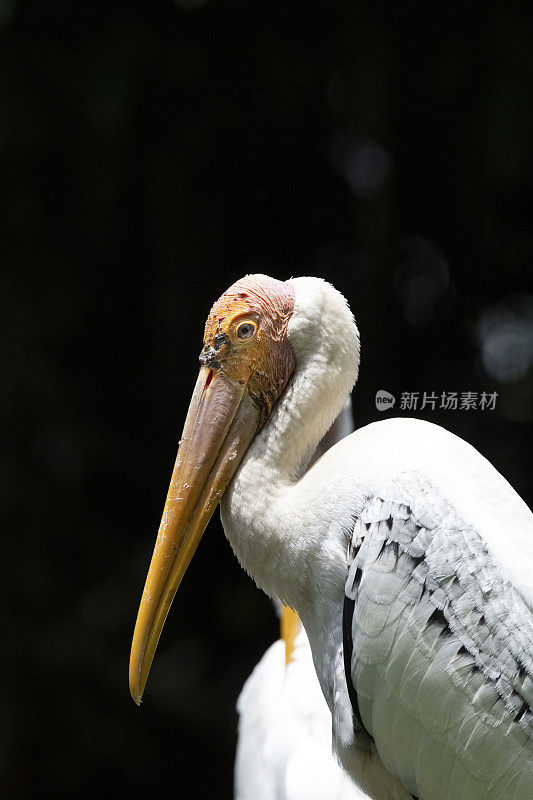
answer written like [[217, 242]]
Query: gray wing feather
[[442, 658]]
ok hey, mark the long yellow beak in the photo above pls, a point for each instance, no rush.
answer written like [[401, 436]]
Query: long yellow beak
[[221, 423]]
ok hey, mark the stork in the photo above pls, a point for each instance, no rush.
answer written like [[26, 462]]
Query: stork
[[407, 556]]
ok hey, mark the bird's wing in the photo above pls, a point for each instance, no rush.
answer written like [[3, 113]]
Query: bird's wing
[[438, 650]]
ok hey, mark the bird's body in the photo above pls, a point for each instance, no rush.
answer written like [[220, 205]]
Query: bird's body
[[285, 750], [345, 478], [409, 559]]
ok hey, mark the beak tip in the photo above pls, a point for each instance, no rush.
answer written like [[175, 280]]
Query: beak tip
[[136, 695], [136, 686]]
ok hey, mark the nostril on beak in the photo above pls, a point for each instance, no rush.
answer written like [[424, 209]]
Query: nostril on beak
[[208, 356]]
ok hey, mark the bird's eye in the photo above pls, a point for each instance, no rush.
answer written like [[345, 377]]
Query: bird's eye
[[246, 330]]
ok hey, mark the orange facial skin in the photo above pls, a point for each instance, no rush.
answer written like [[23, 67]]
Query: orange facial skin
[[246, 337]]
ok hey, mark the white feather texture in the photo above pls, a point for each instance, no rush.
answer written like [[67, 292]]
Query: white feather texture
[[284, 750], [294, 533], [284, 746]]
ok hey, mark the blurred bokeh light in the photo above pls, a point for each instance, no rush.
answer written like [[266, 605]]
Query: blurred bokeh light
[[365, 164], [422, 281], [505, 333]]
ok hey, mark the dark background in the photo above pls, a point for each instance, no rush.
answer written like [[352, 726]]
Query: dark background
[[152, 153]]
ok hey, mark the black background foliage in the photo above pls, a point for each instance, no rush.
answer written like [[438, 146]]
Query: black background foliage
[[152, 153]]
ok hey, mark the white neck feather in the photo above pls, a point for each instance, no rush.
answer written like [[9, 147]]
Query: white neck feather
[[325, 340]]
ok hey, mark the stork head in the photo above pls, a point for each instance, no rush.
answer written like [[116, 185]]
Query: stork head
[[246, 338], [246, 361]]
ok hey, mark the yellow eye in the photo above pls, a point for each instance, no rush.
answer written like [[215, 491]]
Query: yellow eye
[[246, 330]]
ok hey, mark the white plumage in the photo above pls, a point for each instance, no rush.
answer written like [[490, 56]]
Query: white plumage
[[284, 746], [431, 724], [284, 750]]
